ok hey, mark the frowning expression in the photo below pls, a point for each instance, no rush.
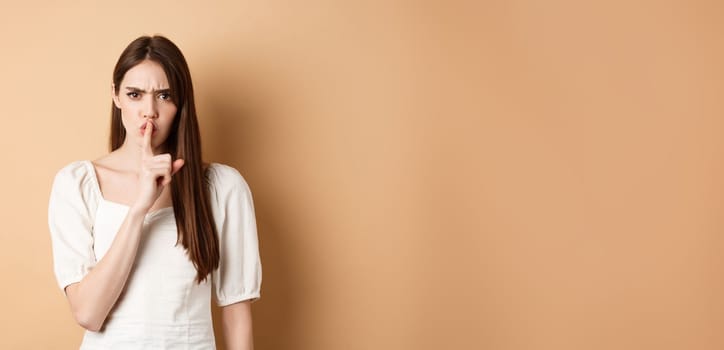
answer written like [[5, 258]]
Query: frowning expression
[[144, 94]]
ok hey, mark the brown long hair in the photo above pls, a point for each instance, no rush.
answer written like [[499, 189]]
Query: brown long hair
[[189, 189]]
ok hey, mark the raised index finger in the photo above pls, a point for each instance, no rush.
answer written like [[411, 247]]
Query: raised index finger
[[147, 151]]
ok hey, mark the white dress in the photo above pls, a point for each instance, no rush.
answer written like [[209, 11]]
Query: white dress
[[161, 306]]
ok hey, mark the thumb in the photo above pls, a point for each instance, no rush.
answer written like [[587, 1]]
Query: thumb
[[176, 166]]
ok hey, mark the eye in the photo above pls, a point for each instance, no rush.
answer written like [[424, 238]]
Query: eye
[[133, 95], [164, 96]]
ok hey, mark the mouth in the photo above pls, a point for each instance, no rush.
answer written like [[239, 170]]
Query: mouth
[[154, 128]]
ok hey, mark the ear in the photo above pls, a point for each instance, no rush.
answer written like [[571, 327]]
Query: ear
[[116, 101]]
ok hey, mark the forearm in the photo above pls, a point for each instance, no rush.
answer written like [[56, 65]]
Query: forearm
[[237, 326], [93, 298]]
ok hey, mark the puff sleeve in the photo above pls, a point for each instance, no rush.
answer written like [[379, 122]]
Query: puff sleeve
[[70, 223], [238, 277]]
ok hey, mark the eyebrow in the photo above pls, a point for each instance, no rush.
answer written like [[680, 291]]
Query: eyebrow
[[131, 88]]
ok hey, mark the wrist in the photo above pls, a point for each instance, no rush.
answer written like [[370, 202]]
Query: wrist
[[137, 210]]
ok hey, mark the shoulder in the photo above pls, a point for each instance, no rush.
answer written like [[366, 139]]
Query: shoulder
[[74, 185], [75, 172], [224, 178]]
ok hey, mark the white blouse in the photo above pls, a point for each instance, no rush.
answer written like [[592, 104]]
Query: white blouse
[[161, 306]]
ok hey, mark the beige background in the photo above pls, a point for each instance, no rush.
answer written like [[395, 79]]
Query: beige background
[[427, 174]]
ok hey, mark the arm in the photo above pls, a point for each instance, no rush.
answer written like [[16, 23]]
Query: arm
[[237, 326], [92, 298]]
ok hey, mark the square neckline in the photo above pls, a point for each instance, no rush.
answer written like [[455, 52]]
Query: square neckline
[[97, 188]]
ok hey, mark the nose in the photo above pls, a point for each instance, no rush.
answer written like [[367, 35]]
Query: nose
[[149, 108]]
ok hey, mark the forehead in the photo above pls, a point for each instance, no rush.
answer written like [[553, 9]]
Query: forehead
[[147, 75]]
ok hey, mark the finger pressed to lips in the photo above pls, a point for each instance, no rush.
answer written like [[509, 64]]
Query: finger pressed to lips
[[147, 139], [142, 130]]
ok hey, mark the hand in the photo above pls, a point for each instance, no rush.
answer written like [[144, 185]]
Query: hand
[[155, 172]]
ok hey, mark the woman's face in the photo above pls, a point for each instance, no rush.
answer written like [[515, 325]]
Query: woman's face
[[144, 95]]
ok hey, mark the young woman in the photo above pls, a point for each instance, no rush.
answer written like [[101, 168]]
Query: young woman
[[144, 235]]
